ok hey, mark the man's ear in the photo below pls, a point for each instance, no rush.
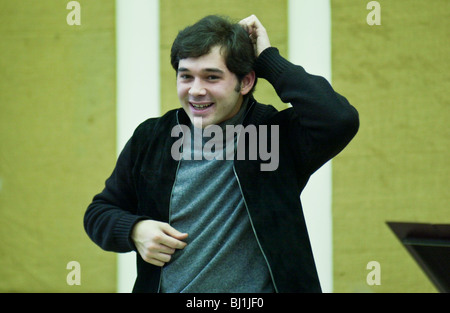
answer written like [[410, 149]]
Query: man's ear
[[247, 83]]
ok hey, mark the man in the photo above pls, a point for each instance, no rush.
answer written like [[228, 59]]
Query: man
[[221, 225]]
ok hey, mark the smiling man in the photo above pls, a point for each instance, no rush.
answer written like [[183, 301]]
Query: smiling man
[[209, 225]]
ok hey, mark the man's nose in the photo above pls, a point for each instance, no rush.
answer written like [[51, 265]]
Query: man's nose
[[197, 88]]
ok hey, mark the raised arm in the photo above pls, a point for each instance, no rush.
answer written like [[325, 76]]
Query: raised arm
[[324, 121]]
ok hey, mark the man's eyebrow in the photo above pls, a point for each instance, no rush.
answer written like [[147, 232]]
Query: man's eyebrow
[[213, 70], [207, 70]]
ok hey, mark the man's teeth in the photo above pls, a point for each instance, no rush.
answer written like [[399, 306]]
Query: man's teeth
[[201, 106]]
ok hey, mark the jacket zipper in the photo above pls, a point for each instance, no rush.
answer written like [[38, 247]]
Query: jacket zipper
[[170, 209], [250, 217], [254, 231]]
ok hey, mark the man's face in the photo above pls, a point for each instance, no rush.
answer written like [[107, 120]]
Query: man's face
[[207, 89]]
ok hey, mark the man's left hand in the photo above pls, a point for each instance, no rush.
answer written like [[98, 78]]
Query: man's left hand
[[257, 33]]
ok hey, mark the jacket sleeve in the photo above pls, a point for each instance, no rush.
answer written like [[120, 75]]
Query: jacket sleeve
[[110, 217], [323, 121]]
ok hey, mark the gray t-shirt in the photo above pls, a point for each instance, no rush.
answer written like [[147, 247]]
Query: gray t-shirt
[[222, 254]]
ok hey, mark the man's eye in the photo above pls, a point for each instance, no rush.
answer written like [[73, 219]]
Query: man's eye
[[213, 77], [185, 76]]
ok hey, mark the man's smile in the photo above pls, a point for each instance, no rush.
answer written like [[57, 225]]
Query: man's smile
[[201, 105]]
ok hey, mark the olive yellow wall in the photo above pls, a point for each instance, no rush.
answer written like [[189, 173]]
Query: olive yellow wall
[[57, 135], [396, 169]]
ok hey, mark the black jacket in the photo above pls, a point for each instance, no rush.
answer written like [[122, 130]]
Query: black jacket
[[317, 127]]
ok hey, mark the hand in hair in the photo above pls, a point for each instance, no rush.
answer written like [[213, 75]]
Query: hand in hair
[[257, 33]]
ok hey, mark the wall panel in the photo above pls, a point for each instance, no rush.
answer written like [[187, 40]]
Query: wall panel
[[396, 169], [57, 134]]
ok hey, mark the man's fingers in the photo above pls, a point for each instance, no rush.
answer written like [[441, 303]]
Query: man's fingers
[[161, 248], [156, 262], [174, 238], [257, 33], [250, 24], [158, 254], [157, 241], [172, 242]]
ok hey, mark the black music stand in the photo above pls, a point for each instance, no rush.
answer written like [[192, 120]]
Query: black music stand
[[429, 245]]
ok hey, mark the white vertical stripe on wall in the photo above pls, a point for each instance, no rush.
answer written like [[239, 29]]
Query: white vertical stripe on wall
[[138, 88], [310, 46]]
